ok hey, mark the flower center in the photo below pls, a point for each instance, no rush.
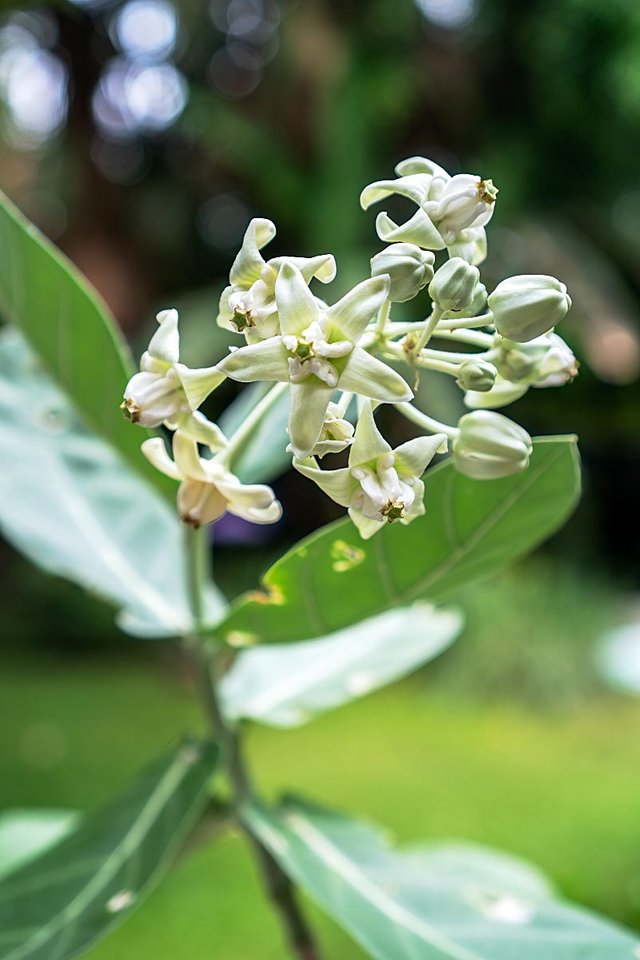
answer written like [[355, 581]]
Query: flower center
[[393, 510], [487, 193], [242, 316]]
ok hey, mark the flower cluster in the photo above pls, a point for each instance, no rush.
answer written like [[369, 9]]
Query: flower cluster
[[338, 361]]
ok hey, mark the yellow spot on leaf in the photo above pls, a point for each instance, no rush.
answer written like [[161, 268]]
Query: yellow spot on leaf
[[345, 556]]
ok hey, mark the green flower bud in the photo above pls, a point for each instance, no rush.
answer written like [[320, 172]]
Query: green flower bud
[[454, 285], [489, 446], [545, 361], [409, 268], [476, 375], [527, 306]]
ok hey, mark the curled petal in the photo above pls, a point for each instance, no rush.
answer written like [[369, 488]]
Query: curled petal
[[309, 402], [165, 343], [414, 456], [501, 395], [419, 230], [156, 453], [248, 265], [297, 306], [413, 165], [185, 454], [366, 526], [337, 484], [372, 378], [368, 443], [199, 383], [322, 267], [352, 314], [198, 428], [266, 360], [414, 187]]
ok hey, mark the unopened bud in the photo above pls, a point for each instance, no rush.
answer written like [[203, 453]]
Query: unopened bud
[[490, 446], [409, 268], [476, 375], [454, 285], [525, 307], [466, 201], [546, 361]]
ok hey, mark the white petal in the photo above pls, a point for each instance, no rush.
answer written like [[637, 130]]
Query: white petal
[[419, 230], [365, 525], [352, 314], [322, 267], [297, 306], [266, 360], [156, 453], [185, 454], [337, 484], [248, 264], [309, 401], [199, 383], [414, 165], [414, 187], [372, 378], [368, 443], [413, 457], [200, 502], [165, 343], [198, 428]]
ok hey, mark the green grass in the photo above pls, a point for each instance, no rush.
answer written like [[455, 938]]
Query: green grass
[[560, 788]]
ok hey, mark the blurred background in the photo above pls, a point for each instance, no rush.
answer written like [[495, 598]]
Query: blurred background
[[141, 136]]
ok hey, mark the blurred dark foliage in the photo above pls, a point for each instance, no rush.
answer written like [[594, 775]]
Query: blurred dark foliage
[[142, 135]]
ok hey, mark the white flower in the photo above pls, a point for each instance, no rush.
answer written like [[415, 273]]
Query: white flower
[[208, 488], [489, 446], [318, 352], [167, 391], [380, 485], [452, 211], [248, 304], [336, 434]]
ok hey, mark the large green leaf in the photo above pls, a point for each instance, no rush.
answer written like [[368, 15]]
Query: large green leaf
[[285, 686], [57, 905], [76, 508], [441, 902], [24, 834], [71, 330], [471, 528]]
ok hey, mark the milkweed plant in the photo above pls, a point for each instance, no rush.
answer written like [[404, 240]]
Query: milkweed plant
[[125, 510]]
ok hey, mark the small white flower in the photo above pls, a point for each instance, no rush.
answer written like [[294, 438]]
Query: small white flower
[[208, 489], [248, 304], [318, 352], [380, 485], [336, 434], [452, 211], [167, 391]]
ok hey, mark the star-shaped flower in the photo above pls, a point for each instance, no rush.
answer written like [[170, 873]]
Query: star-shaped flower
[[318, 352], [208, 488], [248, 304], [380, 485], [452, 211], [167, 391]]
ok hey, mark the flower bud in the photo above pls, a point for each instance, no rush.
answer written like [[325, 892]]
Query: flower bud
[[409, 268], [476, 375], [489, 446], [525, 307], [546, 361], [454, 285]]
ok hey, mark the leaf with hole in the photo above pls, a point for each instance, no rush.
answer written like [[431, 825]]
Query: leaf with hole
[[471, 528], [436, 902], [58, 904]]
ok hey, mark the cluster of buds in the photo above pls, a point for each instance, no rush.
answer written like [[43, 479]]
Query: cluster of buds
[[338, 361]]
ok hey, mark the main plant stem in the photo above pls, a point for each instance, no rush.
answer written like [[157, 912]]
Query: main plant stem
[[278, 886]]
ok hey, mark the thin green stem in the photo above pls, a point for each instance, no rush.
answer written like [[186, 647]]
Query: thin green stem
[[426, 422], [278, 886]]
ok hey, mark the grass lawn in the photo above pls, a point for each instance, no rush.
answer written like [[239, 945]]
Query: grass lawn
[[559, 786]]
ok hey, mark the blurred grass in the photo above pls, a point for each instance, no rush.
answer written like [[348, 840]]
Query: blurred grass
[[559, 786]]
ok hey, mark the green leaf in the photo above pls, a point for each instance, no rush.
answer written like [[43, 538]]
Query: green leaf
[[71, 330], [76, 508], [471, 528], [441, 902], [25, 834], [60, 903], [265, 457], [285, 686]]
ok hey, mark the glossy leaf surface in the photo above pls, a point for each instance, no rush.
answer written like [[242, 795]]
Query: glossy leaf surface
[[440, 902], [285, 686], [61, 902], [472, 528]]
